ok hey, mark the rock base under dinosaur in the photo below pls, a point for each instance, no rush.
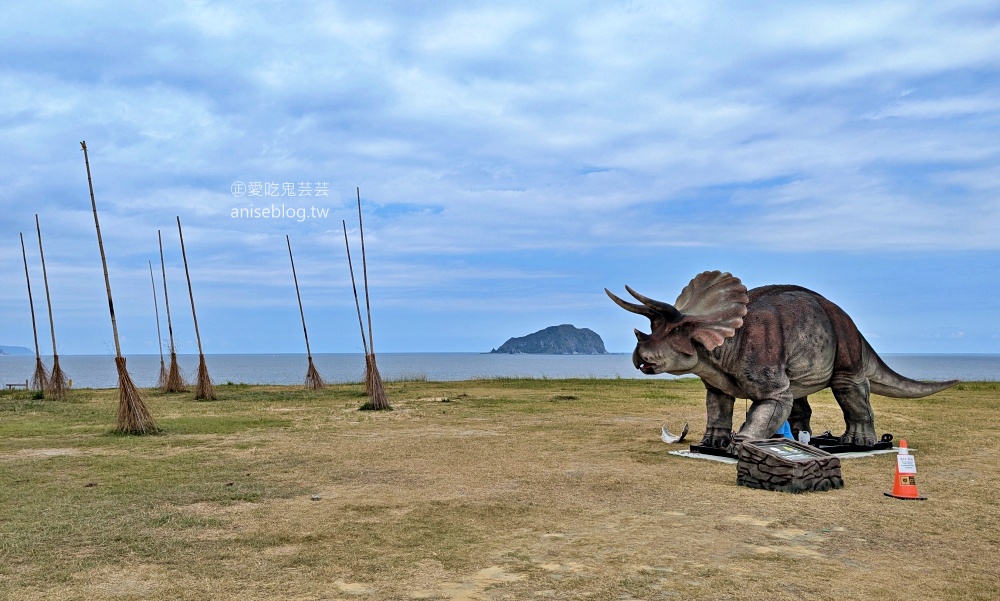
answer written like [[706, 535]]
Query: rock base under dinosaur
[[787, 466]]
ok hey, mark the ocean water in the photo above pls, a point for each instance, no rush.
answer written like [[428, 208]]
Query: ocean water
[[98, 371]]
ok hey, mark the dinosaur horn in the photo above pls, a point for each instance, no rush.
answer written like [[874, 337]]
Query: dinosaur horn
[[665, 309], [632, 307]]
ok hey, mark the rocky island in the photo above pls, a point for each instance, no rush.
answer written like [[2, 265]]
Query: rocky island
[[15, 350], [556, 340]]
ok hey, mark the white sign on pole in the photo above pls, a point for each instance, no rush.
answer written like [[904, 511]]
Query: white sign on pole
[[906, 464]]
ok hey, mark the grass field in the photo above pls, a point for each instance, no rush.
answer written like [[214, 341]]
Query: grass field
[[493, 489]]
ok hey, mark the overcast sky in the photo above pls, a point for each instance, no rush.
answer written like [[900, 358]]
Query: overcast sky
[[514, 159]]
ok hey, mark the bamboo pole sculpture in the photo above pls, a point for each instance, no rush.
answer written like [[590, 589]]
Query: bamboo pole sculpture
[[161, 382], [357, 304], [350, 265], [313, 380], [175, 382], [40, 379], [133, 414], [373, 381], [57, 379], [203, 390]]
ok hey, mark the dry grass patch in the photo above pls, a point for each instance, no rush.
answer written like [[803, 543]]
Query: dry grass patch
[[491, 489]]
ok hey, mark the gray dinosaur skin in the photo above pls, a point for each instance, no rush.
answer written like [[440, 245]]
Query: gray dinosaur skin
[[792, 343]]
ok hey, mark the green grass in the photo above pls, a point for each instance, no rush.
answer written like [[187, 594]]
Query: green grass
[[512, 489], [225, 424]]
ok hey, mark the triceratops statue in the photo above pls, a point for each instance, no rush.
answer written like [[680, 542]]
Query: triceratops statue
[[773, 345]]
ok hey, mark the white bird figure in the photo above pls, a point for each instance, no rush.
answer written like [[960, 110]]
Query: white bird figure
[[669, 438]]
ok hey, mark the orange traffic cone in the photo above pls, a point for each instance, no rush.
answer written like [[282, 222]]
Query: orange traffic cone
[[904, 486]]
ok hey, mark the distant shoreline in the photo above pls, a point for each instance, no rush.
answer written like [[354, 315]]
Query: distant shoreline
[[380, 353], [98, 371]]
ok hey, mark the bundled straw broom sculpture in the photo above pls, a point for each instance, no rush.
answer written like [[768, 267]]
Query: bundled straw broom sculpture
[[133, 414], [313, 379], [40, 379], [175, 383], [57, 379], [161, 382], [377, 400], [204, 390]]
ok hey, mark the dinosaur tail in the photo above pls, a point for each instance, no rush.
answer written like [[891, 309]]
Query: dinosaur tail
[[886, 382]]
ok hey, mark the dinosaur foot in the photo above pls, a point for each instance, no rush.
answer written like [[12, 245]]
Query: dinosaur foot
[[862, 435], [718, 438]]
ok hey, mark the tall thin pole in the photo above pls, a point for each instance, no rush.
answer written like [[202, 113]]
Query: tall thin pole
[[31, 302], [104, 260], [164, 376], [361, 323], [204, 389], [377, 400], [40, 379], [302, 313], [166, 299], [57, 379], [156, 311], [174, 383], [364, 267], [197, 335], [133, 414], [45, 277], [313, 380]]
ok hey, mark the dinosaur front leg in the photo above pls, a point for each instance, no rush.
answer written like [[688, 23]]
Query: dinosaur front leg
[[766, 415], [852, 396], [719, 428]]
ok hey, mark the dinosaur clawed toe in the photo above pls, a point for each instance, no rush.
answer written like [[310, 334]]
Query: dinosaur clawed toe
[[717, 438], [862, 435]]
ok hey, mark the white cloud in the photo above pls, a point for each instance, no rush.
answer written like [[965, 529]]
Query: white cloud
[[471, 33], [518, 129]]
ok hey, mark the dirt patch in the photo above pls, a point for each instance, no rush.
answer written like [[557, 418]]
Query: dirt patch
[[44, 453], [352, 588], [471, 588], [133, 581]]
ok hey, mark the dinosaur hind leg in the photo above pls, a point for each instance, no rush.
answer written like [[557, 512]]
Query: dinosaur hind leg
[[800, 416], [852, 394]]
